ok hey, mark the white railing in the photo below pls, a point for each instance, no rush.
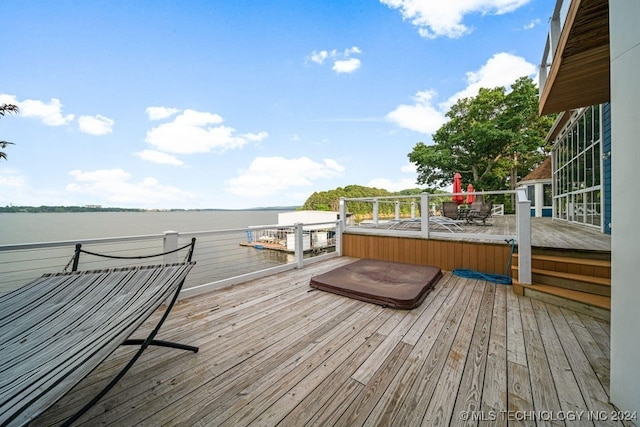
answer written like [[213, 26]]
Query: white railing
[[220, 258], [428, 223], [497, 210], [556, 23], [523, 224]]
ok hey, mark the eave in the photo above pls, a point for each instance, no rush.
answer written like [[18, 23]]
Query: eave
[[579, 73]]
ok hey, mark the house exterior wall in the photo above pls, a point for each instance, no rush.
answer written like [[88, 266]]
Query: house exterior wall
[[625, 235], [578, 179], [541, 203]]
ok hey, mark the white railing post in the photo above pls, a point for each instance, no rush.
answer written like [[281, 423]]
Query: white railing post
[[170, 243], [339, 230], [424, 215], [299, 249], [413, 209], [397, 203], [523, 233], [340, 226], [375, 211]]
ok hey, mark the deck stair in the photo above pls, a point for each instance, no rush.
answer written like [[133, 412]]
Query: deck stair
[[573, 280]]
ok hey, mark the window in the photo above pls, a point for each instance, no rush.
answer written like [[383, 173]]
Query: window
[[577, 174], [531, 194], [547, 194]]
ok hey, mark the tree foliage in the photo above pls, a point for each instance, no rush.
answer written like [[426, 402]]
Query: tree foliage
[[330, 200], [4, 109], [492, 140]]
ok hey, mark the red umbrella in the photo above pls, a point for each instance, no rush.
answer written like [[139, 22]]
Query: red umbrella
[[457, 188], [470, 197]]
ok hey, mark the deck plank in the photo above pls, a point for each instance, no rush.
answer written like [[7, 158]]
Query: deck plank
[[392, 400], [594, 394], [439, 411], [494, 397], [469, 394], [273, 353], [569, 395], [543, 389], [597, 358], [415, 405], [519, 398]]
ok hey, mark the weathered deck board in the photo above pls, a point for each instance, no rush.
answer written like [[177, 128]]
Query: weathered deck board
[[273, 353], [545, 233]]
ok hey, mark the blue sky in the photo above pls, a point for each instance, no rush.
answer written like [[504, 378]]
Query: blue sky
[[238, 104]]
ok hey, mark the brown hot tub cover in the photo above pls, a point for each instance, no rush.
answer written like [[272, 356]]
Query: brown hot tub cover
[[390, 284]]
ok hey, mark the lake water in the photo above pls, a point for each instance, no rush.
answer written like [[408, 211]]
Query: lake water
[[47, 227], [219, 256]]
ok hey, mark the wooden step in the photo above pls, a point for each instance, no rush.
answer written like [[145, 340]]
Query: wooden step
[[570, 260], [602, 281], [580, 266], [594, 305], [573, 253]]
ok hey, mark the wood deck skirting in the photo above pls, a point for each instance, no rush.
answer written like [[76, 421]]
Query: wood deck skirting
[[446, 254], [272, 352]]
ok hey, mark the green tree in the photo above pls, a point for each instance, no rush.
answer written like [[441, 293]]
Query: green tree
[[4, 109], [492, 140], [330, 200]]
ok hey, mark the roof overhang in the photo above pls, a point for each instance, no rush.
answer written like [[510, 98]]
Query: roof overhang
[[580, 70]]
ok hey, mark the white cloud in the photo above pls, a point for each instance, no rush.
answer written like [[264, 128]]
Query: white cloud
[[50, 113], [532, 24], [8, 99], [420, 117], [392, 185], [198, 132], [10, 179], [271, 175], [342, 61], [502, 69], [114, 185], [95, 125], [351, 50], [397, 184], [159, 157], [436, 18], [319, 57], [409, 168], [346, 66], [159, 113]]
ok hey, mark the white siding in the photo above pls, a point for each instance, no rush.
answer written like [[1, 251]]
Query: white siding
[[625, 235]]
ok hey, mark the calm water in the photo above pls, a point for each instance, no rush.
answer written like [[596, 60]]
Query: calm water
[[219, 258], [47, 227]]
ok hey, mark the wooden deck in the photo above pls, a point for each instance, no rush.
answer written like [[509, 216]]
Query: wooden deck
[[273, 352], [545, 233]]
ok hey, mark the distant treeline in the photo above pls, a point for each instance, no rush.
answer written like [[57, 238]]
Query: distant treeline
[[50, 209], [329, 200], [56, 209]]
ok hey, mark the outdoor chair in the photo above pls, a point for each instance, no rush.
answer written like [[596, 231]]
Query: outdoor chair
[[482, 214], [450, 210]]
